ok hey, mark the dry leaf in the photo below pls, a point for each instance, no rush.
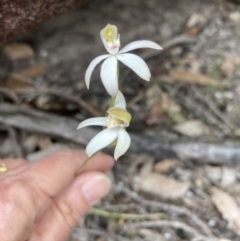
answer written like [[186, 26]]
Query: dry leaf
[[225, 176], [163, 186], [16, 51], [195, 23], [154, 114], [147, 167], [237, 132], [167, 165], [44, 142], [32, 71], [192, 128], [30, 142], [227, 206], [229, 64], [196, 19], [191, 77], [235, 16], [153, 102], [173, 109], [21, 79], [160, 102]]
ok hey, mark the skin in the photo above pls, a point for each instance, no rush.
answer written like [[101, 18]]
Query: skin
[[45, 199]]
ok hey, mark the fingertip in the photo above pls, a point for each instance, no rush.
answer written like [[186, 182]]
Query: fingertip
[[93, 186]]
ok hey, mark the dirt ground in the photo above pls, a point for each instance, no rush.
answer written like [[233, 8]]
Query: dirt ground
[[186, 183]]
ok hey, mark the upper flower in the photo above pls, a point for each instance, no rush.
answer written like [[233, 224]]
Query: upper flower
[[109, 69], [116, 122]]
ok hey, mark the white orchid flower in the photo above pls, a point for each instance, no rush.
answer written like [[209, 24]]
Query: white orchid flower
[[109, 69], [116, 122]]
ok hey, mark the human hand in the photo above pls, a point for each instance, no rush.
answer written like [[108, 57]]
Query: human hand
[[44, 200]]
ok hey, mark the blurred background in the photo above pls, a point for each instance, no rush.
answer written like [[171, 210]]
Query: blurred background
[[181, 175]]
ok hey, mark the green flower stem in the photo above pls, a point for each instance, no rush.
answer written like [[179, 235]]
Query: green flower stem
[[84, 163], [112, 102], [125, 216]]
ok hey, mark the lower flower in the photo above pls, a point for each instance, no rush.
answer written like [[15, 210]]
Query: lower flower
[[116, 122]]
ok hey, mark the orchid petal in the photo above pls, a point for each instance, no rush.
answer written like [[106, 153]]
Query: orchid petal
[[123, 143], [140, 44], [136, 64], [92, 66], [120, 100], [109, 75], [101, 140], [96, 121]]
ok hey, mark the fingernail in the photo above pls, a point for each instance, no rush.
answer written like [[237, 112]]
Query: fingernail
[[96, 188]]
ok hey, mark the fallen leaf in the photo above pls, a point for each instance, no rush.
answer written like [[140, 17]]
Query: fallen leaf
[[172, 108], [44, 142], [160, 102], [192, 128], [228, 207], [229, 64], [154, 114], [237, 132], [191, 77], [153, 102], [163, 186], [30, 143], [146, 167], [21, 78], [195, 23], [167, 165], [15, 51], [48, 102], [196, 19], [32, 71], [224, 176], [235, 16]]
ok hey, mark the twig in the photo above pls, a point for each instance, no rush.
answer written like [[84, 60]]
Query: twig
[[204, 112], [126, 216], [24, 79], [9, 94], [197, 108], [65, 128], [95, 232], [59, 93], [14, 142], [212, 106], [17, 146], [178, 40], [168, 208], [160, 224]]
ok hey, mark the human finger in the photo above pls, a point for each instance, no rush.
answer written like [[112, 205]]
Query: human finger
[[55, 172], [70, 205]]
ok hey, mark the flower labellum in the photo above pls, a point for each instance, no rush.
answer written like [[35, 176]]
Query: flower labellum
[[118, 116], [110, 38], [109, 69]]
